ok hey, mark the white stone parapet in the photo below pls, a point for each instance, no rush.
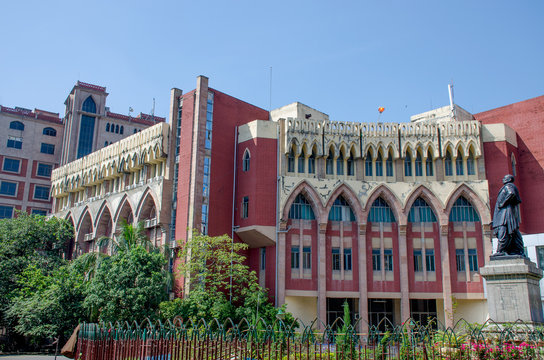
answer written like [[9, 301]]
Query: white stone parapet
[[146, 146]]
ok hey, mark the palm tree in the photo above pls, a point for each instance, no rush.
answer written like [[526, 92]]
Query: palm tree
[[129, 237]]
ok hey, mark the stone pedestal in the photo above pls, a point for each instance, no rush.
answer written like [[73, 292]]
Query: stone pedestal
[[513, 289]]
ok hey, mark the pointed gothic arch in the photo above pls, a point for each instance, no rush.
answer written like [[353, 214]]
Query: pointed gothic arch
[[350, 196], [310, 194], [427, 195], [480, 206]]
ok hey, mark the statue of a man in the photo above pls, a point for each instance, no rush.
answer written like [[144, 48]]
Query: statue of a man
[[506, 219]]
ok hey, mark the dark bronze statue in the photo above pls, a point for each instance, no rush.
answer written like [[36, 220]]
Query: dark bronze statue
[[506, 219]]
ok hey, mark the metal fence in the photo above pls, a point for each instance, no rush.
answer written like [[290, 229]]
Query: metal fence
[[179, 340]]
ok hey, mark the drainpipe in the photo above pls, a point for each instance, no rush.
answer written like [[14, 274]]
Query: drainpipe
[[233, 208]]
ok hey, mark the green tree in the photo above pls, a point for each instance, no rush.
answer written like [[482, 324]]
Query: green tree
[[221, 284], [27, 240], [128, 286], [130, 236]]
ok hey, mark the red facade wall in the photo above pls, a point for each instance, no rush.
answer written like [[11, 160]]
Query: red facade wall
[[228, 112], [527, 119], [383, 286], [294, 283], [414, 234]]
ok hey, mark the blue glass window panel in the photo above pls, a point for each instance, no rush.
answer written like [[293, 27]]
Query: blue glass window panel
[[89, 105], [301, 209], [419, 165], [460, 259], [48, 148], [44, 170], [472, 260], [448, 166], [11, 165], [17, 125], [295, 260], [429, 259], [462, 210], [418, 260], [41, 193], [341, 211], [408, 165], [49, 131], [6, 212], [381, 212], [347, 259], [389, 166], [421, 212], [8, 188], [376, 260], [86, 134], [39, 212], [15, 143]]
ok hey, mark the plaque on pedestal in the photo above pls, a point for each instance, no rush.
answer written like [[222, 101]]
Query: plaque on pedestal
[[513, 289]]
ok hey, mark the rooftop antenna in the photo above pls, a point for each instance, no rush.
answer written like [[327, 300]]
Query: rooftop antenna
[[452, 104]]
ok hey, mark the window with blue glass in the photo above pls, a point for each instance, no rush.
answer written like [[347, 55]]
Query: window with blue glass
[[307, 257], [368, 164], [408, 164], [295, 257], [419, 164], [47, 149], [49, 131], [418, 260], [379, 165], [41, 192], [209, 121], [421, 212], [89, 105], [472, 260], [335, 258], [108, 128], [429, 259], [381, 212], [15, 142], [301, 209], [291, 161], [44, 170], [39, 212], [459, 163], [341, 211], [470, 163], [329, 163], [462, 210], [121, 130], [389, 165], [204, 224], [448, 165], [17, 125], [388, 259], [301, 160], [206, 177], [311, 163], [245, 207], [429, 164], [376, 260], [460, 259], [347, 259], [8, 188], [11, 165], [351, 164], [263, 258], [6, 212], [246, 161], [340, 164]]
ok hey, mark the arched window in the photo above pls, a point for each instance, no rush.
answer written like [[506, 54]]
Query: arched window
[[459, 163], [389, 165], [49, 131], [108, 127], [379, 165], [17, 125], [341, 211], [311, 163], [340, 164], [121, 130], [301, 209], [117, 129], [368, 163], [429, 164], [246, 161], [419, 164], [408, 164], [135, 131], [329, 162], [421, 212], [448, 166], [381, 212], [470, 163], [89, 105], [105, 143], [291, 161], [351, 164], [462, 210], [301, 168]]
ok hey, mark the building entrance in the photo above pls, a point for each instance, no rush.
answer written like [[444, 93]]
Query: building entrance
[[335, 310], [423, 311], [380, 314]]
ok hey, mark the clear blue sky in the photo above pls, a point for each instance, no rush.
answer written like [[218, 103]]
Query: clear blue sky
[[345, 58]]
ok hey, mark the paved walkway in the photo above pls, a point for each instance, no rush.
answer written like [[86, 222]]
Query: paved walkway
[[31, 357]]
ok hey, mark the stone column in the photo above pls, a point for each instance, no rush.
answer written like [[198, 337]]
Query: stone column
[[281, 263], [446, 275], [363, 285], [322, 279], [404, 285]]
